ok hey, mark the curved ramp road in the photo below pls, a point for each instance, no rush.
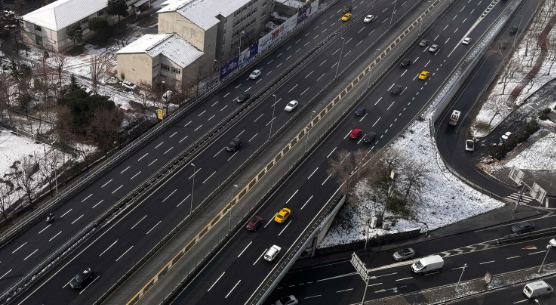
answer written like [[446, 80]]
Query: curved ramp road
[[131, 236], [234, 274]]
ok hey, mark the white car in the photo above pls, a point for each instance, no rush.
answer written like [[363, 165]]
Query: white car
[[466, 40], [167, 95], [255, 74], [271, 254], [289, 300], [129, 85], [369, 18], [469, 145], [291, 106]]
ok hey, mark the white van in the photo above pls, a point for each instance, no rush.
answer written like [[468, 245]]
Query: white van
[[428, 264], [271, 254], [536, 289], [454, 117]]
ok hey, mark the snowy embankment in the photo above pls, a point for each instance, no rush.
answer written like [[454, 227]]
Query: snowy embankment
[[445, 200], [539, 156]]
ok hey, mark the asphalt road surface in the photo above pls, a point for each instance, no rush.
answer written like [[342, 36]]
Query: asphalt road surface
[[236, 272]]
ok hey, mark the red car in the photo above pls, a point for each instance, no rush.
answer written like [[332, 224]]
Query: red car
[[254, 223], [356, 133]]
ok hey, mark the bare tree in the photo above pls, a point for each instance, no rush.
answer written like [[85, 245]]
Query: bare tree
[[105, 126], [6, 192], [48, 167], [499, 105], [100, 65], [147, 93], [414, 175], [59, 63], [22, 174]]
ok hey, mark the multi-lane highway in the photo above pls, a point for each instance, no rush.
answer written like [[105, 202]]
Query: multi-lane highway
[[236, 272], [131, 236]]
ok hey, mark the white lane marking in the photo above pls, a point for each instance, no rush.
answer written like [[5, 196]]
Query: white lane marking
[[143, 157], [240, 133], [238, 86], [537, 252], [172, 193], [380, 98], [213, 173], [511, 257], [253, 137], [153, 227], [19, 247], [169, 149], [376, 122], [218, 152], [375, 284], [270, 220], [153, 162], [44, 228], [86, 198], [486, 262], [456, 16], [135, 175], [363, 117], [224, 107], [390, 106], [192, 121], [194, 174], [260, 256], [138, 222], [519, 301], [66, 213], [258, 118], [292, 88], [309, 74], [214, 104], [108, 248], [308, 42], [247, 89], [227, 94], [320, 77], [218, 279], [311, 175], [309, 199], [427, 63], [371, 32], [314, 296], [331, 152], [291, 196], [304, 91], [403, 73], [344, 290], [55, 236], [125, 169], [326, 179], [232, 289], [124, 253], [77, 219], [200, 114], [347, 53], [159, 144], [337, 277], [284, 228], [230, 158], [200, 126], [183, 138], [405, 278], [245, 249], [322, 63], [1, 277], [122, 185], [31, 254]]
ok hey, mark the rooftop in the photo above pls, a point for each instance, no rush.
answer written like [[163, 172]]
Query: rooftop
[[62, 13], [203, 12], [172, 46]]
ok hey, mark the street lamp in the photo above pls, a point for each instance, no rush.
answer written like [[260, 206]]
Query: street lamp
[[551, 244], [342, 50], [272, 118], [393, 12], [308, 130], [462, 271], [192, 187], [369, 82], [231, 206]]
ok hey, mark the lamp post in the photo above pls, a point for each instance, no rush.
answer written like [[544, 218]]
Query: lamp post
[[393, 12], [342, 50], [519, 25], [272, 118], [192, 187], [308, 130], [547, 250], [369, 82], [231, 206], [462, 271]]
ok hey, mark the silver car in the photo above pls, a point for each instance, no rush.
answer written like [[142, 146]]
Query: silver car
[[255, 74], [434, 48], [369, 18], [289, 300], [291, 106], [404, 254]]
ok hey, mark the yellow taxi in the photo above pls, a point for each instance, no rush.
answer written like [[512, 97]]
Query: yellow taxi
[[424, 75], [283, 215], [346, 17]]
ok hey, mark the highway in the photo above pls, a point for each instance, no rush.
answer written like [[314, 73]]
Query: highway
[[131, 236], [236, 272]]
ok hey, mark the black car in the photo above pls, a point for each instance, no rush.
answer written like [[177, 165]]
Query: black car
[[347, 9], [513, 30], [424, 43], [397, 90], [81, 278], [243, 97], [523, 227], [360, 111], [369, 138], [234, 145], [405, 63]]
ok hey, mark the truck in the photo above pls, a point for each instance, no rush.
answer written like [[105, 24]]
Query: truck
[[428, 264], [454, 117]]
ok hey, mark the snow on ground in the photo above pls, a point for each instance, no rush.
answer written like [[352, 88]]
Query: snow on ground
[[539, 156], [446, 199], [292, 3], [14, 148]]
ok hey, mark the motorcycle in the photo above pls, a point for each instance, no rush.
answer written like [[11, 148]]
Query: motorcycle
[[50, 218]]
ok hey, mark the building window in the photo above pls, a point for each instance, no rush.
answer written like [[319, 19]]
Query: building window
[[177, 71], [84, 21], [100, 13], [38, 28], [165, 67]]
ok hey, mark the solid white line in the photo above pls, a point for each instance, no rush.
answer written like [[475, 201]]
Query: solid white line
[[124, 253], [108, 248], [66, 213], [77, 219], [44, 228], [284, 228], [172, 193], [19, 247], [106, 183], [30, 254], [135, 175], [125, 169], [291, 196], [218, 279], [153, 227], [309, 199], [86, 198], [245, 249], [260, 256], [331, 152], [54, 236], [118, 188], [232, 289], [138, 222]]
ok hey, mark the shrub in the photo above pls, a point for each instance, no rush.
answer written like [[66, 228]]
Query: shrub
[[398, 207]]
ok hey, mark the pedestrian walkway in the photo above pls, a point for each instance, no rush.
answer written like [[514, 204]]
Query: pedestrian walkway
[[525, 198]]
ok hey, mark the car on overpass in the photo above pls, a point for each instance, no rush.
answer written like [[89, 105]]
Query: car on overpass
[[346, 17], [356, 133], [271, 254], [434, 48], [255, 74], [254, 223], [81, 278], [283, 215], [360, 111], [369, 138], [397, 90], [243, 97], [405, 63], [369, 18], [234, 145], [424, 75], [291, 106]]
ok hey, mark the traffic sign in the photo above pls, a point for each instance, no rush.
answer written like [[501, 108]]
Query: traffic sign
[[359, 266], [160, 114]]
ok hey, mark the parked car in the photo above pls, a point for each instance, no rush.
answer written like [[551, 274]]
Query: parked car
[[360, 111], [434, 48], [466, 40], [243, 97], [289, 300], [283, 215], [346, 17], [356, 133], [271, 254], [291, 106], [81, 278], [405, 63], [346, 9], [424, 75], [404, 254], [424, 43], [254, 223], [523, 227], [369, 138], [129, 85], [234, 145], [397, 90], [255, 74], [369, 18], [469, 145]]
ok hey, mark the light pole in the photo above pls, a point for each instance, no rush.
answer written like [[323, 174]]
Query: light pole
[[192, 187], [393, 12], [547, 250], [342, 50], [515, 38], [308, 130], [462, 271], [369, 82], [231, 206], [272, 118]]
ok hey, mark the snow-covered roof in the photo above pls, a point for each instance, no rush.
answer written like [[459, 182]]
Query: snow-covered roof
[[62, 13], [203, 12], [292, 3], [172, 46]]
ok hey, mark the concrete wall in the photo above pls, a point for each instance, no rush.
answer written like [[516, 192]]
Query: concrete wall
[[173, 22], [136, 68]]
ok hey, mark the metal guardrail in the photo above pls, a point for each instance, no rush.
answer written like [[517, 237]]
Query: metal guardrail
[[521, 237]]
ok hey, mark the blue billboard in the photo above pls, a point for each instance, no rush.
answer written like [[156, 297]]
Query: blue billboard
[[229, 67]]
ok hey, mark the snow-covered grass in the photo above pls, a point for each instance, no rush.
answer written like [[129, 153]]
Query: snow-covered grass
[[539, 156], [14, 148], [445, 200]]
